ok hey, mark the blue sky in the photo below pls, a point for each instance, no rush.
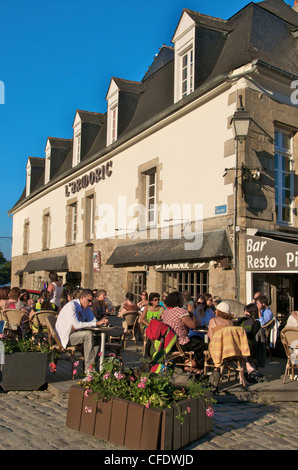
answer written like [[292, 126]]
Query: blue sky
[[59, 56]]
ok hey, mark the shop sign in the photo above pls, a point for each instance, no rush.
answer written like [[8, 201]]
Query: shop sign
[[264, 254], [94, 176], [178, 266]]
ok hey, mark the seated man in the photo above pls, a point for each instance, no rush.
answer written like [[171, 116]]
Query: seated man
[[265, 314], [71, 321]]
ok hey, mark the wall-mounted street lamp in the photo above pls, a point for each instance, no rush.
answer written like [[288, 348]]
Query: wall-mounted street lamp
[[240, 123]]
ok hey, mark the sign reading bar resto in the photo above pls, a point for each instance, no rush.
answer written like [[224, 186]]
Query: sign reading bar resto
[[264, 254], [94, 176]]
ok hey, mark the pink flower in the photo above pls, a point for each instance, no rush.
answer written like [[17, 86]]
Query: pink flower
[[188, 409], [88, 410], [53, 367], [143, 379], [112, 355], [148, 404], [107, 375], [119, 376], [86, 392], [89, 378], [141, 385], [132, 379], [100, 354], [209, 412], [76, 363], [74, 371]]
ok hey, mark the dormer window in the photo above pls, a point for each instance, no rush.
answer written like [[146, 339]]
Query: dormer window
[[184, 41], [77, 149], [112, 118], [77, 131], [28, 178], [47, 163]]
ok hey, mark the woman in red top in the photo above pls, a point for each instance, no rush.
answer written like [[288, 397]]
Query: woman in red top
[[181, 321]]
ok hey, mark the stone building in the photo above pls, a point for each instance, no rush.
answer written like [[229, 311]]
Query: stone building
[[158, 193]]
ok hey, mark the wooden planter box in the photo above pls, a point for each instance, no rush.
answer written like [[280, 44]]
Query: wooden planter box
[[24, 371], [134, 426]]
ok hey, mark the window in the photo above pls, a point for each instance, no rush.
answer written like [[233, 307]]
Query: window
[[46, 231], [89, 221], [139, 284], [77, 149], [71, 223], [26, 237], [187, 73], [151, 196], [114, 124], [74, 215], [284, 177], [195, 282]]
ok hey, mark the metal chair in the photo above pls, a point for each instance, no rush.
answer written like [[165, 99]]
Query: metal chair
[[289, 339], [130, 323], [69, 351]]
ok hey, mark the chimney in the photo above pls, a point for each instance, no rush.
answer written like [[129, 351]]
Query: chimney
[[295, 7]]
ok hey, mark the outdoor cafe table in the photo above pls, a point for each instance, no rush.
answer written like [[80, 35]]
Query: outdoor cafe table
[[203, 330], [105, 331]]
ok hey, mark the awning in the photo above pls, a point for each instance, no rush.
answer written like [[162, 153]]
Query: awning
[[55, 263], [215, 245]]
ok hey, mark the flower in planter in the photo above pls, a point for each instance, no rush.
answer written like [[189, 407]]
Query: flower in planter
[[52, 367], [209, 412], [149, 389]]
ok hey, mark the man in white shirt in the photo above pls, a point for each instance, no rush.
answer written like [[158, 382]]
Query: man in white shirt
[[71, 321]]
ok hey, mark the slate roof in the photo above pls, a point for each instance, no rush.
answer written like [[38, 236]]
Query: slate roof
[[262, 31], [215, 245]]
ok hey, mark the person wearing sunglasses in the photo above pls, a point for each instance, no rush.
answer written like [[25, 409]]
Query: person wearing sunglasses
[[152, 310], [71, 321], [143, 302]]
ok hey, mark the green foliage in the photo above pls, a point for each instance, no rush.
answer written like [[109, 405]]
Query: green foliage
[[5, 272], [27, 344], [151, 390]]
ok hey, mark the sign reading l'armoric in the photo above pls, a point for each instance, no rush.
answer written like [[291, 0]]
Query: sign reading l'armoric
[[264, 254], [94, 176]]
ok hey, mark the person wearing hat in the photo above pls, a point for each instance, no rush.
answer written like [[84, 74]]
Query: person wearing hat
[[223, 317]]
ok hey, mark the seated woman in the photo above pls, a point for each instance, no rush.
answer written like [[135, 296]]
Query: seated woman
[[152, 310], [252, 326], [12, 299], [223, 317], [129, 305], [44, 303], [143, 302], [202, 315], [24, 302], [100, 306], [4, 291], [180, 320]]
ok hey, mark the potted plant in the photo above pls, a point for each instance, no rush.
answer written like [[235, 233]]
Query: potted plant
[[138, 410], [25, 364]]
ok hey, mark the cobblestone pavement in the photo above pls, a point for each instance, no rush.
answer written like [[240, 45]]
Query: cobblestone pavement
[[36, 421]]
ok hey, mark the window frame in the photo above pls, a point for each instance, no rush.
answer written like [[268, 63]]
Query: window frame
[[282, 153], [151, 208], [189, 69]]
